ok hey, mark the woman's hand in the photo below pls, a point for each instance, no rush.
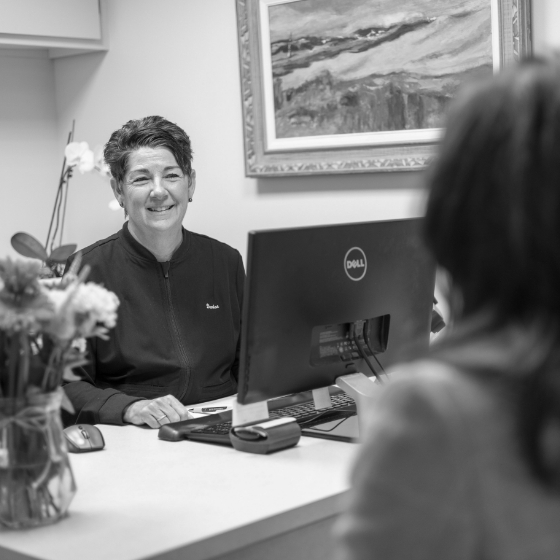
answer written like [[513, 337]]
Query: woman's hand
[[156, 412]]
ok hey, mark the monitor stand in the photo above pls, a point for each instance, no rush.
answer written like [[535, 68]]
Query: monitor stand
[[255, 412], [357, 385], [249, 413], [322, 398], [362, 389]]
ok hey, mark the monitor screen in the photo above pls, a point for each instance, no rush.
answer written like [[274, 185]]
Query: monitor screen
[[318, 298]]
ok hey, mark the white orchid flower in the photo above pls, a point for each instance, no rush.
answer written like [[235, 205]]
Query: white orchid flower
[[104, 170], [114, 205], [78, 153], [86, 163], [99, 163], [74, 152]]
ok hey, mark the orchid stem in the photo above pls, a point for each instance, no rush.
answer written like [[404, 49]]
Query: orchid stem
[[65, 175], [64, 209]]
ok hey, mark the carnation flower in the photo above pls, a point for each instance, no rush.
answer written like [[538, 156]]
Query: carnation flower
[[14, 320], [79, 344], [94, 300], [52, 317], [82, 310], [19, 280], [23, 304]]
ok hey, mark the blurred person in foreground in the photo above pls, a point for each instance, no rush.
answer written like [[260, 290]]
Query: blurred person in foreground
[[462, 459], [176, 341]]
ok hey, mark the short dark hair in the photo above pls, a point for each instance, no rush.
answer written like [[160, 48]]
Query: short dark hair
[[150, 132], [493, 214], [493, 222]]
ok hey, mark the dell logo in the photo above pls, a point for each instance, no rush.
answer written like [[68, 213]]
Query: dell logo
[[355, 264]]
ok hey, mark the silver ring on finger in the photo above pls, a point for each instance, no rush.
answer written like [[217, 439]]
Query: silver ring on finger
[[161, 418]]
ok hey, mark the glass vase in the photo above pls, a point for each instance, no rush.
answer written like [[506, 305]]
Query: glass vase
[[36, 480]]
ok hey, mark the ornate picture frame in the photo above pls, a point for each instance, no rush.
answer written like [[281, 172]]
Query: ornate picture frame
[[268, 103]]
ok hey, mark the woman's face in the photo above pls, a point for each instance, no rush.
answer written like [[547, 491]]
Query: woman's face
[[155, 192]]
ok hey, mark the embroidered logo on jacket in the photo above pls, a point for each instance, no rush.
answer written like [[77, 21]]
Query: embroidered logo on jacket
[[208, 306]]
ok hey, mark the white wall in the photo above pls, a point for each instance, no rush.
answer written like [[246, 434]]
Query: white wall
[[546, 19], [28, 137], [179, 59]]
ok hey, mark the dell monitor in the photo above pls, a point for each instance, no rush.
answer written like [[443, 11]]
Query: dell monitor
[[326, 302], [323, 305]]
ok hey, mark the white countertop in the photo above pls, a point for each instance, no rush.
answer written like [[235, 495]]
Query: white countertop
[[144, 498]]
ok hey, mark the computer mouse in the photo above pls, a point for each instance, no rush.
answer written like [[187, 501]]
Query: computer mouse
[[81, 438]]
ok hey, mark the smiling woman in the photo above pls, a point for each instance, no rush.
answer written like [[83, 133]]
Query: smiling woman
[[167, 350], [155, 194]]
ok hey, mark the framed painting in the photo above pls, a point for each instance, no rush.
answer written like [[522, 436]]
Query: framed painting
[[347, 86]]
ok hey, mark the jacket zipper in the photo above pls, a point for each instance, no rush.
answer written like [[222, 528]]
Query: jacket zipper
[[183, 356]]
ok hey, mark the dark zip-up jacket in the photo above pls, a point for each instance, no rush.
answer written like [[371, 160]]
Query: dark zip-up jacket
[[177, 331]]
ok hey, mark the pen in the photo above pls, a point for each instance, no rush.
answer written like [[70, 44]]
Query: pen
[[207, 409]]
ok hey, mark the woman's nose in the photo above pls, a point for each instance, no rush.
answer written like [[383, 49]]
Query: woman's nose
[[158, 190]]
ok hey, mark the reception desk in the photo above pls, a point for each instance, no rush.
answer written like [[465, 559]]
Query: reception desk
[[143, 498]]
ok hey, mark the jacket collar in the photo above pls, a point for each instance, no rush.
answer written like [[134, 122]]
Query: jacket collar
[[138, 250]]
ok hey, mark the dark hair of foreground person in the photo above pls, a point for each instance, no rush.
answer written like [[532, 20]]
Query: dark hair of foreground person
[[492, 223]]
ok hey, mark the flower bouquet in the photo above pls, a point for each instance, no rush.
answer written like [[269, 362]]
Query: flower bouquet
[[43, 326]]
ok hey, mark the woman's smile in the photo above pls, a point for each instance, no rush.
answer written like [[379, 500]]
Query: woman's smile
[[160, 209]]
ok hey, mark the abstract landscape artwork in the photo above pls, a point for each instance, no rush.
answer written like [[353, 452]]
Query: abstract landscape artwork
[[353, 66], [355, 86]]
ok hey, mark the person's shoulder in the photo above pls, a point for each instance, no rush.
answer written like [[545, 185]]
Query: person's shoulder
[[442, 387], [423, 371], [97, 249], [218, 246]]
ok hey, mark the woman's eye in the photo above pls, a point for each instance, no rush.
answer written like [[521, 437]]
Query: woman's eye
[[140, 180], [172, 176]]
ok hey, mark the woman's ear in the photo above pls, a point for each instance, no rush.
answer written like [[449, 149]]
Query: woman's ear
[[117, 191], [192, 183]]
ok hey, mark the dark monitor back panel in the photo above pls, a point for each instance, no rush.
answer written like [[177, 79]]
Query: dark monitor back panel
[[303, 286]]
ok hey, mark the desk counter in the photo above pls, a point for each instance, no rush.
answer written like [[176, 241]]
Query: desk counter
[[143, 498]]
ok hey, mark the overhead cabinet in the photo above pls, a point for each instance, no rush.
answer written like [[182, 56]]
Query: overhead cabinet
[[63, 27]]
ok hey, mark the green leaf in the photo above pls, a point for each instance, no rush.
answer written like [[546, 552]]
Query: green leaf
[[61, 254], [28, 246]]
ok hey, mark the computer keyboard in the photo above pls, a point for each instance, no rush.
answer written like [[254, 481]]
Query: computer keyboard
[[215, 428], [305, 414]]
